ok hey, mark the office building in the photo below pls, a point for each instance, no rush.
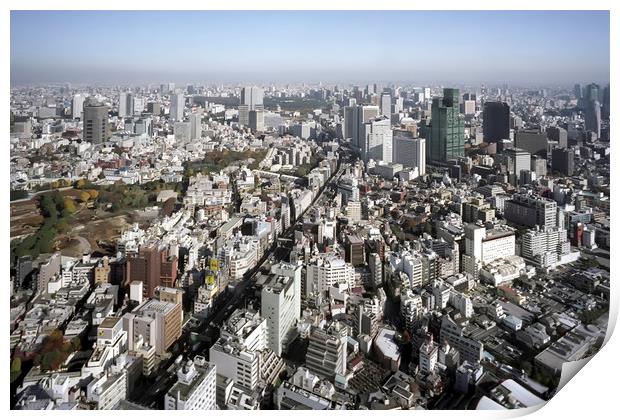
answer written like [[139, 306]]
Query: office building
[[281, 307], [593, 117], [95, 122], [256, 120], [544, 247], [447, 128], [156, 323], [496, 121], [410, 152], [469, 349], [377, 140], [386, 104], [145, 266], [195, 122], [324, 271], [354, 119], [563, 161], [327, 351], [559, 135], [177, 106], [532, 141], [77, 106], [529, 210], [195, 388], [517, 161], [125, 104], [251, 100]]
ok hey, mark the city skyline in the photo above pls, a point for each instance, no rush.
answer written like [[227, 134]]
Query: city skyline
[[229, 47]]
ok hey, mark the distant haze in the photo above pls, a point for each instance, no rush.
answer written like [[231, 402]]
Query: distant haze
[[124, 47]]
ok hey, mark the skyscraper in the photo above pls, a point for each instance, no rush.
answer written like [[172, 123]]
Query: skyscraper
[[563, 161], [354, 119], [125, 104], [177, 106], [593, 117], [591, 93], [251, 100], [496, 121], [77, 105], [195, 121], [605, 105], [256, 119], [558, 134], [410, 152], [251, 95], [386, 104], [447, 127], [376, 137], [95, 122]]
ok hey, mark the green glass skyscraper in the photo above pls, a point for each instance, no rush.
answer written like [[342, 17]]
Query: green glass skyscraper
[[447, 128]]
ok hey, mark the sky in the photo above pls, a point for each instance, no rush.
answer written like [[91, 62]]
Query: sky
[[527, 47]]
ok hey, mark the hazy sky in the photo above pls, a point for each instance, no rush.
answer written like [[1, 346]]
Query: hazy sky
[[331, 46]]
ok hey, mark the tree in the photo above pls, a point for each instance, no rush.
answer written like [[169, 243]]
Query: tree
[[69, 205], [93, 194], [80, 183], [16, 368], [84, 196]]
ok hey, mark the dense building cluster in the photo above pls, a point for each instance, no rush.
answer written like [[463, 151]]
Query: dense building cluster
[[306, 246]]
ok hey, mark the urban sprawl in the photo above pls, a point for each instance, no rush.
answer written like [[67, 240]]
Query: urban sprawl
[[305, 246]]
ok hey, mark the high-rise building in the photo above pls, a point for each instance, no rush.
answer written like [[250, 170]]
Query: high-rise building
[[77, 105], [376, 137], [195, 122], [145, 267], [154, 108], [354, 119], [593, 117], [177, 106], [447, 128], [410, 152], [605, 105], [351, 126], [325, 270], [194, 388], [469, 107], [386, 104], [251, 100], [518, 160], [544, 247], [591, 93], [281, 307], [157, 323], [530, 210], [558, 134], [95, 122], [496, 121], [532, 141], [538, 166], [256, 120], [238, 352], [125, 104], [138, 106], [563, 161], [327, 351], [252, 96], [429, 352]]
